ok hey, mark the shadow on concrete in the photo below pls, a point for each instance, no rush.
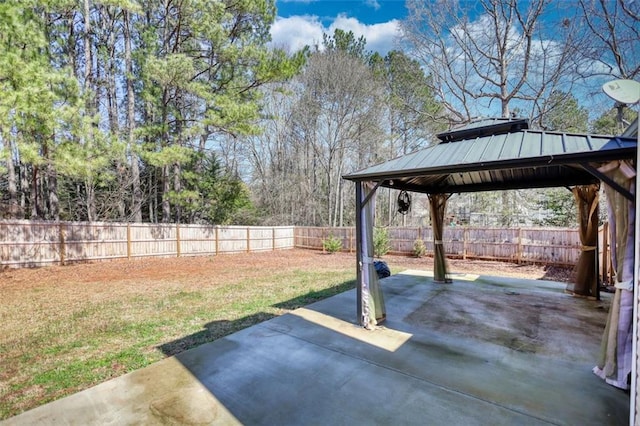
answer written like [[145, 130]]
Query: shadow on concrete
[[217, 329], [314, 296], [212, 331]]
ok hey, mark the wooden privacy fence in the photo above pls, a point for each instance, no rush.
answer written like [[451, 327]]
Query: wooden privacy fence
[[550, 246], [26, 243]]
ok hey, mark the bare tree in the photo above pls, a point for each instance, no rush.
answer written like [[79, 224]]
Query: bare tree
[[280, 168], [518, 53], [613, 31], [491, 50], [338, 115]]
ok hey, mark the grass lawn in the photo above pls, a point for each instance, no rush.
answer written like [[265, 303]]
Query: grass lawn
[[64, 329]]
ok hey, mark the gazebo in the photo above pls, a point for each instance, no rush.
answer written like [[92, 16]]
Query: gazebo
[[501, 154]]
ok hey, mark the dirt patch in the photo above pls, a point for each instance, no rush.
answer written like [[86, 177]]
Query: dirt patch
[[143, 269], [253, 263]]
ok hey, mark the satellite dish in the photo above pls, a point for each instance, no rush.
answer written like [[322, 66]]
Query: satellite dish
[[623, 91]]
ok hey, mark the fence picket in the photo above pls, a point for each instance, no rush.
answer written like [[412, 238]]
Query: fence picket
[[26, 243]]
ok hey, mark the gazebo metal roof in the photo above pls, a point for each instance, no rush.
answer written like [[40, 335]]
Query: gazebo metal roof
[[500, 154]]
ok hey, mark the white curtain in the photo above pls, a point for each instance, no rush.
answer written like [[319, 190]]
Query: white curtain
[[615, 360]]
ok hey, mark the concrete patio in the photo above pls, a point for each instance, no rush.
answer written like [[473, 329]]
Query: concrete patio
[[480, 351]]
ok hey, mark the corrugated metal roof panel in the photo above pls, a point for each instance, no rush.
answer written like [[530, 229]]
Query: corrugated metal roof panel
[[530, 145], [494, 148], [524, 158], [511, 147], [450, 151], [475, 150], [552, 144]]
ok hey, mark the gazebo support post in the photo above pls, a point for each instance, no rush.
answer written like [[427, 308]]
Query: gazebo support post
[[359, 250], [370, 301], [586, 281], [437, 207]]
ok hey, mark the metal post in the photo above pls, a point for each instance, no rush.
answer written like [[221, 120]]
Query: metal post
[[359, 250], [633, 407]]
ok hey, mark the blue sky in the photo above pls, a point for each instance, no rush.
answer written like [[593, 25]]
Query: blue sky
[[302, 22], [366, 11]]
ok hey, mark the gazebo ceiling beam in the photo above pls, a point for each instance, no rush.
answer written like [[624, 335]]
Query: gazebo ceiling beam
[[607, 180], [561, 181]]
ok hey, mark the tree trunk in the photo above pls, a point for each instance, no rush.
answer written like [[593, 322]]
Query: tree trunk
[[166, 187], [177, 187], [12, 184], [34, 193], [136, 198], [90, 200], [88, 58], [90, 106], [52, 184], [136, 202], [24, 189]]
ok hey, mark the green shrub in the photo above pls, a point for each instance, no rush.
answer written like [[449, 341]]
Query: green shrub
[[381, 244], [332, 244], [419, 249]]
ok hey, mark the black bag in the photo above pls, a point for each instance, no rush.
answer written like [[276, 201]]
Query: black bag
[[381, 268]]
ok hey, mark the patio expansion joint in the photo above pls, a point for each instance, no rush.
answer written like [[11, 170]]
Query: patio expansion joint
[[409, 375]]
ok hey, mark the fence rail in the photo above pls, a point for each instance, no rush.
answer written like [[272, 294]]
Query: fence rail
[[549, 246], [26, 243]]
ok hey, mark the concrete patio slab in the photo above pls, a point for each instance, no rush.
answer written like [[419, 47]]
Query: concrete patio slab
[[480, 351]]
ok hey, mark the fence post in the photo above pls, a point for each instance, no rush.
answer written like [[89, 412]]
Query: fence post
[[63, 248], [323, 237], [465, 235], [128, 241], [351, 232], [273, 239], [248, 240], [177, 239], [217, 239], [519, 252]]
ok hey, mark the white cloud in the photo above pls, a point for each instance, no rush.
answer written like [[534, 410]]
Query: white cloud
[[373, 3], [298, 31], [380, 37]]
